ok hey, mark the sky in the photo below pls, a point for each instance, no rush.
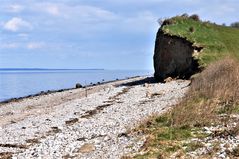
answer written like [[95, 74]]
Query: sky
[[84, 34]]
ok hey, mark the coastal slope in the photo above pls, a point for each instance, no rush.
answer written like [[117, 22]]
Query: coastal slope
[[205, 124]]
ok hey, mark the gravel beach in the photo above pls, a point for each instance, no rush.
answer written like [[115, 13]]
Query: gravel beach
[[90, 122]]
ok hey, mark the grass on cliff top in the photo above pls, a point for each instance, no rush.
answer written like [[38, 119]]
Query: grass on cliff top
[[218, 41]]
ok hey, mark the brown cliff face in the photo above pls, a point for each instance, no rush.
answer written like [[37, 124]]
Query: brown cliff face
[[173, 57]]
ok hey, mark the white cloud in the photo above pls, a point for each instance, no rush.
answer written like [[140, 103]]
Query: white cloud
[[136, 2], [22, 45], [82, 12], [23, 35], [92, 12], [15, 8], [219, 12], [15, 24], [9, 45], [73, 19], [52, 9], [142, 22], [35, 45]]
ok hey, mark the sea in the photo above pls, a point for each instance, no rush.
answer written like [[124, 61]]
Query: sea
[[15, 83]]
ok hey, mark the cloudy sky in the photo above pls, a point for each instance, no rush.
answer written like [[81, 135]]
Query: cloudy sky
[[110, 34]]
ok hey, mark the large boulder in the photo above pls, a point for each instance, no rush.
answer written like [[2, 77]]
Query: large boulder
[[173, 57]]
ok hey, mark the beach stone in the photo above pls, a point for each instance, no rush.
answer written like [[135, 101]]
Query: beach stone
[[169, 79], [78, 85], [87, 148]]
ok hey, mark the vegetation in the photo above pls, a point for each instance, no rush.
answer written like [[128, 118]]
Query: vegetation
[[165, 139], [213, 93], [235, 25], [217, 41], [213, 97]]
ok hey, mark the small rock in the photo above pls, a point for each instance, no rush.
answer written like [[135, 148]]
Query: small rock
[[169, 79], [106, 138], [123, 135], [222, 155], [78, 85], [146, 85], [87, 148], [149, 94]]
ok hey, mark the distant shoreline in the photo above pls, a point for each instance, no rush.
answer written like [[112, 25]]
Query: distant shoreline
[[43, 69]]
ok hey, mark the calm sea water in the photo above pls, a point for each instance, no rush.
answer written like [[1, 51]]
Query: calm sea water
[[19, 83]]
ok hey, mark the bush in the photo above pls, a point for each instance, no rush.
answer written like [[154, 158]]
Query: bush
[[185, 15], [235, 25], [195, 17], [191, 29], [160, 21], [168, 22]]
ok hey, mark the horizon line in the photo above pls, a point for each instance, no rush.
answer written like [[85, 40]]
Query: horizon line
[[52, 69]]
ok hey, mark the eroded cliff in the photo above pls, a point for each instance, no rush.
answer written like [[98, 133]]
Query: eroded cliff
[[173, 57]]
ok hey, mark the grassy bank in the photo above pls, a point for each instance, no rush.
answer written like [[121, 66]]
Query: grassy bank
[[211, 103], [212, 92]]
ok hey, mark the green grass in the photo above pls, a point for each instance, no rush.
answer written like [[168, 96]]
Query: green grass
[[165, 139], [217, 41], [167, 132], [229, 109], [192, 146]]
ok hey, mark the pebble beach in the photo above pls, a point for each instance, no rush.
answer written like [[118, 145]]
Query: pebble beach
[[91, 122]]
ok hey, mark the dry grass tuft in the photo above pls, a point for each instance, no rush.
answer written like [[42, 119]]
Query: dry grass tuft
[[219, 80], [213, 91]]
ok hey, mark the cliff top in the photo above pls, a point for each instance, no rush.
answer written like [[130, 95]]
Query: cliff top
[[217, 41]]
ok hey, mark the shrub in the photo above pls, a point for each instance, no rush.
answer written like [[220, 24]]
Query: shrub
[[191, 29], [195, 17], [185, 15], [160, 21], [168, 22], [235, 25]]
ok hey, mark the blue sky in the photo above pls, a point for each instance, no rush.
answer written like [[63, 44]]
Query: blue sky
[[110, 34]]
